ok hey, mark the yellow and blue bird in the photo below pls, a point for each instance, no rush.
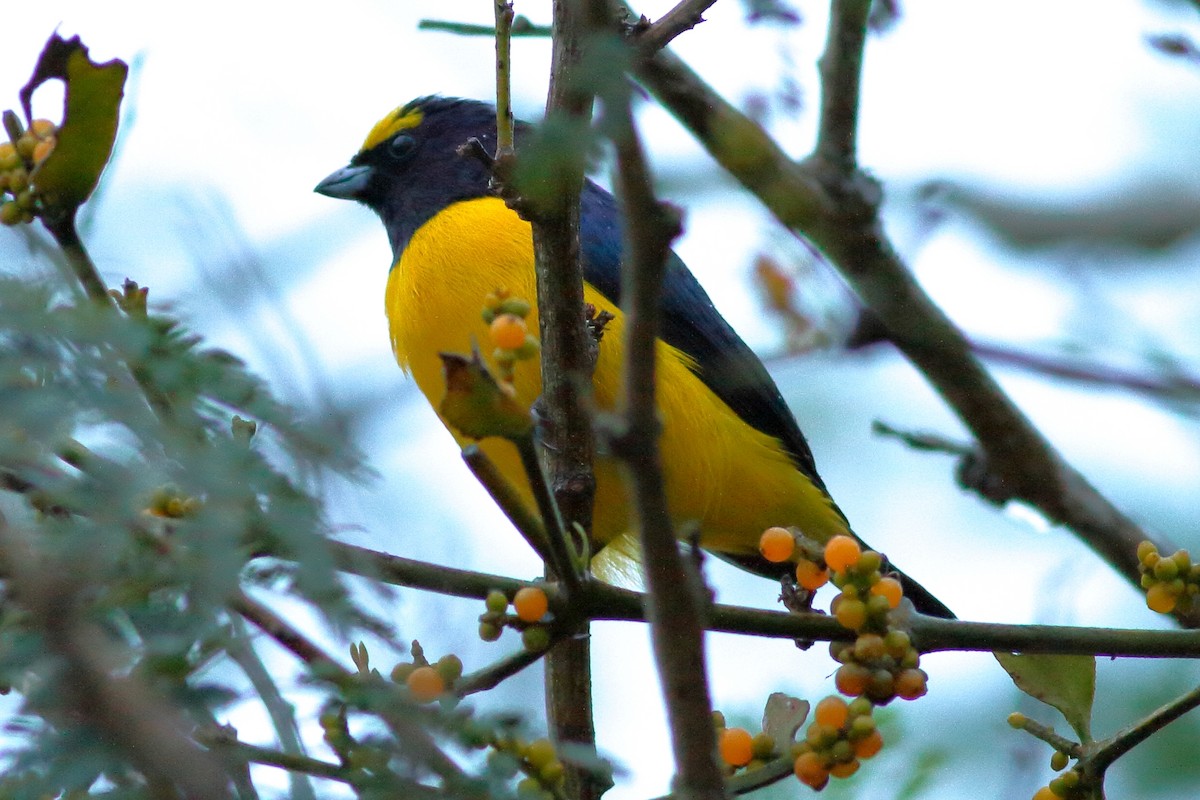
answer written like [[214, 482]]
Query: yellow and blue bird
[[734, 459]]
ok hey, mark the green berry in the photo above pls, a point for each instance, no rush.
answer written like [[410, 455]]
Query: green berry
[[1059, 761], [489, 632], [497, 601], [450, 667], [536, 638]]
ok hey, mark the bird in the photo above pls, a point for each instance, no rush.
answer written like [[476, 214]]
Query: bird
[[734, 459]]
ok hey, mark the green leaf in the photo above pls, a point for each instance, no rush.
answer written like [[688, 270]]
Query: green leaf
[[1066, 682], [91, 107], [476, 405]]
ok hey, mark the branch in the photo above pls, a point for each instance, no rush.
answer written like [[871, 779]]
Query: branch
[[598, 601], [680, 19], [566, 377], [675, 596], [835, 207], [841, 77]]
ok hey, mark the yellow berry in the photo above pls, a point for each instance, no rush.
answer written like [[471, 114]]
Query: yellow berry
[[26, 144], [8, 156], [832, 711], [776, 544], [508, 331], [11, 213], [1144, 549], [1158, 597], [425, 684], [539, 753], [531, 603], [810, 574], [851, 614], [842, 552], [1059, 761], [888, 588], [1045, 793], [736, 746]]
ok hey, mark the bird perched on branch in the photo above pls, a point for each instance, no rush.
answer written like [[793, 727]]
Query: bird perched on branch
[[734, 459]]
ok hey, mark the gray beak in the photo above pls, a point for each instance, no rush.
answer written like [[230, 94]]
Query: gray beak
[[348, 183]]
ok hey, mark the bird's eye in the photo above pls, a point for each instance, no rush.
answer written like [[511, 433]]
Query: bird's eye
[[401, 147]]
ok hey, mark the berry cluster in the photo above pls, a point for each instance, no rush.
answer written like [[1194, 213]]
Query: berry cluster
[[427, 682], [839, 737], [739, 749], [881, 664], [1171, 582], [530, 605], [536, 760], [1066, 786], [18, 159], [505, 316]]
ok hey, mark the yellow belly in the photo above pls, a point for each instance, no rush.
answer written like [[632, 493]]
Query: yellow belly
[[720, 472]]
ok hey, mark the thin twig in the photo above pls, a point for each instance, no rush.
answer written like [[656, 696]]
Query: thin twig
[[504, 112], [674, 601], [240, 649], [1129, 737], [841, 68], [505, 495], [686, 15]]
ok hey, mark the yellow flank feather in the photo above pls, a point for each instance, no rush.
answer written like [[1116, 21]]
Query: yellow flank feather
[[732, 479]]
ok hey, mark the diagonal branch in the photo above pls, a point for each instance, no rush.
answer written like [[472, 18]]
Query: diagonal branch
[[835, 207]]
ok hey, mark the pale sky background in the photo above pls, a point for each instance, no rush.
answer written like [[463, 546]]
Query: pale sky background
[[242, 107]]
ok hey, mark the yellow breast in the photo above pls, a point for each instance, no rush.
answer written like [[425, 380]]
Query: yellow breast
[[720, 472]]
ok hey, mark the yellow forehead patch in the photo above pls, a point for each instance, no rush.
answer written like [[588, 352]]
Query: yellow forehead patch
[[400, 119]]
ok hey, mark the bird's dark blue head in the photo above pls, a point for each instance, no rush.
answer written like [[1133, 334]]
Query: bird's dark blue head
[[409, 168]]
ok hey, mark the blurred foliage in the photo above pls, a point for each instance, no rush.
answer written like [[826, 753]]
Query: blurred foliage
[[142, 520]]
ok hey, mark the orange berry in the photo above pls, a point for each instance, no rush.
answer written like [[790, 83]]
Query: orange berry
[[810, 575], [845, 769], [911, 684], [841, 553], [736, 746], [508, 331], [531, 603], [44, 148], [852, 679], [776, 544], [889, 588], [425, 684], [832, 711], [42, 128], [1160, 598], [869, 745], [810, 769]]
